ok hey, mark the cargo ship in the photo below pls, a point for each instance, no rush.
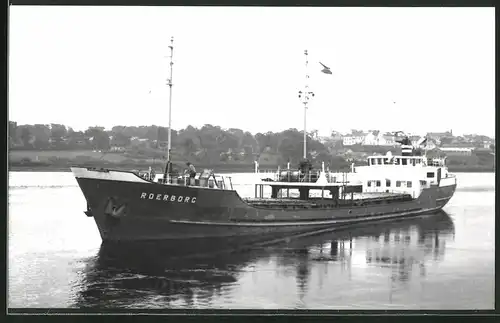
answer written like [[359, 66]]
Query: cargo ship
[[135, 206]]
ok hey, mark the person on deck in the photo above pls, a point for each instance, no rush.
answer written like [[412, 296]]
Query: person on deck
[[191, 171]]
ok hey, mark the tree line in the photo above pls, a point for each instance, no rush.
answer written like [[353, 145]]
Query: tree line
[[208, 144]]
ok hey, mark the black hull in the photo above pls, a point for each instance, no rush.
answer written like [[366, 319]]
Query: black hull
[[145, 211]]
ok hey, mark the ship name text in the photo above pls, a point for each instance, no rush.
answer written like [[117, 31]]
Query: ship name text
[[168, 198]]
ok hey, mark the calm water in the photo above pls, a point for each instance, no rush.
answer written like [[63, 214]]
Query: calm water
[[443, 261]]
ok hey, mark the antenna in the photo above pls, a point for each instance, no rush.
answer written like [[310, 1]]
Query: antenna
[[305, 97]]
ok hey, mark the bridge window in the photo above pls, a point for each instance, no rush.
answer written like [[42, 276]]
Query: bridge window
[[413, 161], [369, 183], [378, 183], [430, 175], [423, 183], [398, 183], [408, 184], [397, 161], [388, 183], [379, 161], [386, 161], [404, 161]]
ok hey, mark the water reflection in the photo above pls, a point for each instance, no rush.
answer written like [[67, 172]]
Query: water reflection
[[142, 276], [402, 247], [149, 277]]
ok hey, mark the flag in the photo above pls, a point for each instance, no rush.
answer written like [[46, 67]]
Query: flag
[[325, 69]]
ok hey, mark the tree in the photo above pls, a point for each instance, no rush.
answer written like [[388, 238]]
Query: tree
[[212, 137], [120, 140], [25, 136], [289, 150], [263, 140], [41, 132], [12, 131], [162, 134], [58, 131], [238, 134], [92, 131], [152, 133], [100, 139], [77, 140], [189, 146], [227, 141]]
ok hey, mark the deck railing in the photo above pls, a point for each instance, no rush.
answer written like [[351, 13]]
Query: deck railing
[[215, 182], [297, 176]]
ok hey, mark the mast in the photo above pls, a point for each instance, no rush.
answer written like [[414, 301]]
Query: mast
[[305, 96], [169, 83]]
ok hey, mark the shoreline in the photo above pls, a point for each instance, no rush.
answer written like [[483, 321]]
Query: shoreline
[[221, 170], [56, 169]]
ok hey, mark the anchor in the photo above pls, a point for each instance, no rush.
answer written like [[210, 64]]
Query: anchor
[[114, 210]]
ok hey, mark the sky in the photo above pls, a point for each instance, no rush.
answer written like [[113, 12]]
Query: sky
[[412, 69]]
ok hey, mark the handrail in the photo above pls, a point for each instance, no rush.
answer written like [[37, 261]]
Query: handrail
[[185, 180], [289, 175]]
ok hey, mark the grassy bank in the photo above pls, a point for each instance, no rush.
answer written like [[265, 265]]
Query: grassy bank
[[31, 167], [61, 161]]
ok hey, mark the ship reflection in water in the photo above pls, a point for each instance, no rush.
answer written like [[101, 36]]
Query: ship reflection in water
[[356, 267]]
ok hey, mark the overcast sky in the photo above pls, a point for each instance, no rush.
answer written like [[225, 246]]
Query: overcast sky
[[412, 69]]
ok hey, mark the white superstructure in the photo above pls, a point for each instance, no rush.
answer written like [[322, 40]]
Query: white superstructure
[[396, 174], [404, 173]]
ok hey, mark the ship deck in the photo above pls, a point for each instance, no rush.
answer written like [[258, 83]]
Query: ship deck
[[317, 185], [354, 199]]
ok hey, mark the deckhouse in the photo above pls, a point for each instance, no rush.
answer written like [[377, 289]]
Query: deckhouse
[[405, 174]]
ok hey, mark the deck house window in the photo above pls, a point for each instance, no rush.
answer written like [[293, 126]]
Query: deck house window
[[404, 161], [378, 183], [388, 183], [397, 161], [369, 183], [430, 175], [398, 183], [386, 161], [423, 183], [379, 161], [408, 184], [413, 161]]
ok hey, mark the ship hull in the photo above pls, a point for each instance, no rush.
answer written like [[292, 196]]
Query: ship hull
[[132, 209]]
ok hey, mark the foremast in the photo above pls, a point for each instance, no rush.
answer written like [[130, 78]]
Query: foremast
[[168, 167]]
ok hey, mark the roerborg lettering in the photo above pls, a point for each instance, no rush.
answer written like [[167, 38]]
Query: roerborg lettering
[[168, 198]]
